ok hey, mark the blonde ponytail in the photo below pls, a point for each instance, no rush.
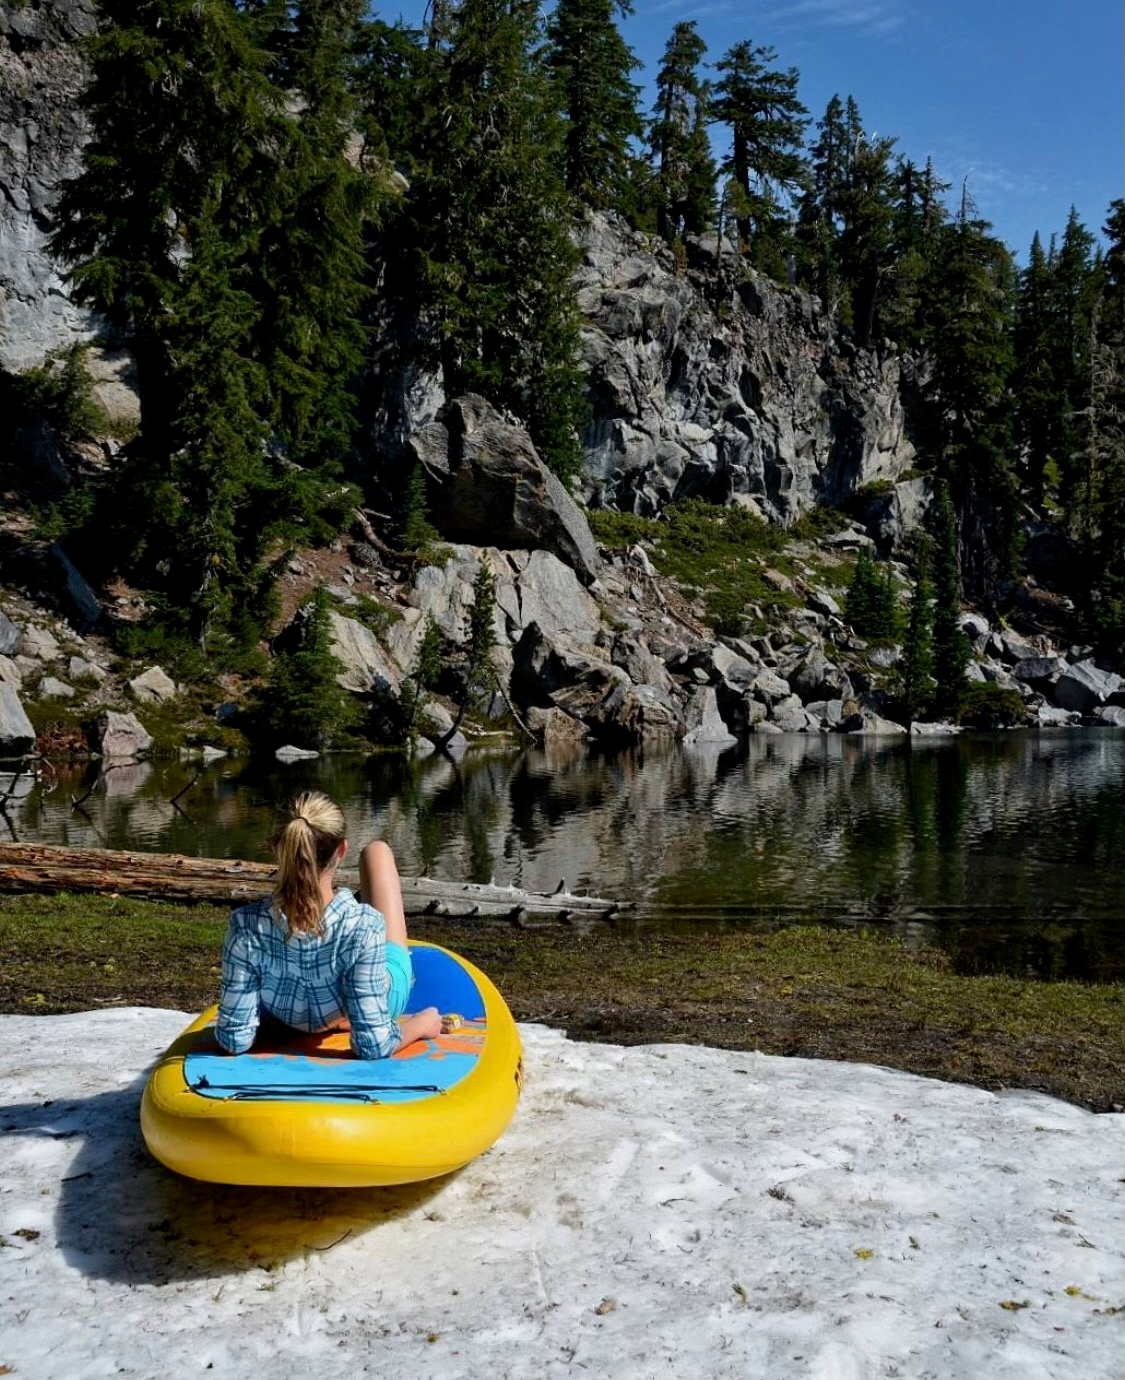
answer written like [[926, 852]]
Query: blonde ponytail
[[304, 845]]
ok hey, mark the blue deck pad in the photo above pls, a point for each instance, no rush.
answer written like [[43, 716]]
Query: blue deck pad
[[427, 1070], [441, 981]]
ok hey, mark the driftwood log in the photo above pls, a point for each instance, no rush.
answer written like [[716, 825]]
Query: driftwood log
[[172, 877]]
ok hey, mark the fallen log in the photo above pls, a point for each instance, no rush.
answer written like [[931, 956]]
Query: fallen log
[[174, 877]]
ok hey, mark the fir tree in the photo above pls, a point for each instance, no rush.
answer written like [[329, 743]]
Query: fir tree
[[483, 234], [950, 645], [303, 702], [685, 175], [590, 65], [866, 227], [871, 604], [1104, 613], [918, 214], [1038, 406], [767, 124], [915, 674], [1070, 292], [818, 221], [970, 403], [164, 231]]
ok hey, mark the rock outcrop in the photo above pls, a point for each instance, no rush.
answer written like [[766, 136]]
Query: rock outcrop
[[42, 134], [719, 382], [488, 486]]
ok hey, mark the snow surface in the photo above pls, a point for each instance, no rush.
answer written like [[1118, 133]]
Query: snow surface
[[657, 1211]]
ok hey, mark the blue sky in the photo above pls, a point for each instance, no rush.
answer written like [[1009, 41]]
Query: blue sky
[[1024, 98]]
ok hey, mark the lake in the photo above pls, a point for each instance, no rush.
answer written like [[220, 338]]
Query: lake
[[1006, 849]]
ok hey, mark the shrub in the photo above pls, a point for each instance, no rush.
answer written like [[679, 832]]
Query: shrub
[[988, 706]]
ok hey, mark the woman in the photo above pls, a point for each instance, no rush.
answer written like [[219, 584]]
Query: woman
[[313, 953]]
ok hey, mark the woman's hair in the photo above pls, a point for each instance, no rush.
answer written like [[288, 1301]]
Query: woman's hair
[[304, 844]]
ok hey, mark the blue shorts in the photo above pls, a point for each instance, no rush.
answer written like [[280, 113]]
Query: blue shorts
[[401, 972]]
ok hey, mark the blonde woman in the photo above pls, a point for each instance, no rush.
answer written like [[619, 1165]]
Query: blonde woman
[[313, 953]]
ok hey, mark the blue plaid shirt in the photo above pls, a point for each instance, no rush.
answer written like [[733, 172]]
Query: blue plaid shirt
[[308, 981]]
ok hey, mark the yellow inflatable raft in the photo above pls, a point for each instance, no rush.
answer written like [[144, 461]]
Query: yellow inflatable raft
[[308, 1113]]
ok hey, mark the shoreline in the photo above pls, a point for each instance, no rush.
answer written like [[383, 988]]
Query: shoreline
[[801, 992]]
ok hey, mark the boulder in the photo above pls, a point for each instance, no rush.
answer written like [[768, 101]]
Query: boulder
[[920, 729], [51, 688], [867, 721], [702, 721], [1034, 669], [555, 727], [366, 666], [289, 753], [10, 636], [1084, 686], [571, 677], [1051, 716], [154, 686], [39, 644], [10, 672], [1111, 714], [119, 735], [769, 688], [488, 486], [816, 678], [17, 736], [821, 602]]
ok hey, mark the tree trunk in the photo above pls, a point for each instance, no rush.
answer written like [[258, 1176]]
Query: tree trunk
[[171, 877]]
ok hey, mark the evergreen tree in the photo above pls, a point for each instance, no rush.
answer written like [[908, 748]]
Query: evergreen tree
[[915, 673], [818, 220], [970, 403], [871, 604], [767, 124], [486, 258], [918, 215], [1070, 294], [164, 231], [1038, 406], [950, 645], [308, 264], [303, 702], [590, 64], [866, 216], [685, 174], [1105, 447]]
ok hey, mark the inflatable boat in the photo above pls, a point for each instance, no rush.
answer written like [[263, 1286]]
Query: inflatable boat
[[302, 1110]]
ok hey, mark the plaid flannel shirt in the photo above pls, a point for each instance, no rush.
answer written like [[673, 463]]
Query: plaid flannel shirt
[[307, 981]]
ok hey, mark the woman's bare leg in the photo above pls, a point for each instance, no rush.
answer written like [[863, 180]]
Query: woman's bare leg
[[380, 887]]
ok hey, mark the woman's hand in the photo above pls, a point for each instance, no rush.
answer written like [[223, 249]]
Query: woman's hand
[[421, 1025]]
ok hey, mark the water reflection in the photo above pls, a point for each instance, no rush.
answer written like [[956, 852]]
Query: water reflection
[[1007, 848]]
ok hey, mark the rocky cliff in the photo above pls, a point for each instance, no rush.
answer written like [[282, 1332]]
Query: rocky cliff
[[42, 134], [708, 379]]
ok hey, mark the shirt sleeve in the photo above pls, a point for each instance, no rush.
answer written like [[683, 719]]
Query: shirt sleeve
[[363, 988], [239, 994]]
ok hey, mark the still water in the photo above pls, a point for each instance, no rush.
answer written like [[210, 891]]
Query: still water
[[1007, 849]]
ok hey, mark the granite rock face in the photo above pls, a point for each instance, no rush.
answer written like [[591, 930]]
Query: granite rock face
[[728, 386], [42, 134], [488, 486]]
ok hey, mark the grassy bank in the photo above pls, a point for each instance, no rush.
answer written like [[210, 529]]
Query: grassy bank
[[807, 992]]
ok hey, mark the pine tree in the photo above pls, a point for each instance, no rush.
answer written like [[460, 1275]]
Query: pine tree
[[308, 266], [303, 702], [818, 221], [1071, 287], [486, 258], [915, 672], [164, 231], [767, 124], [1104, 614], [685, 176], [1038, 406], [590, 65], [918, 215], [970, 402], [950, 645], [871, 604]]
